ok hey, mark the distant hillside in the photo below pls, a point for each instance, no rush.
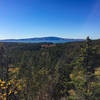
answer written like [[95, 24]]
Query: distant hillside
[[43, 39]]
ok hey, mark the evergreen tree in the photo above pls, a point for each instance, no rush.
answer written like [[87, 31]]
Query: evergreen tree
[[4, 68], [83, 73], [3, 64]]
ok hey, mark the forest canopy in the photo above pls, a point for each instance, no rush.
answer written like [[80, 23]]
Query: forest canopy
[[47, 71]]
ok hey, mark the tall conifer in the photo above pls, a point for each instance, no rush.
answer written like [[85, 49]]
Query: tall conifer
[[83, 73]]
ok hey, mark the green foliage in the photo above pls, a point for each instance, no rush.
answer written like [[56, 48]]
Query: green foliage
[[64, 71], [83, 73]]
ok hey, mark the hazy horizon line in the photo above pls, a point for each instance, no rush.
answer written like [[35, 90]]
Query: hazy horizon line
[[44, 37]]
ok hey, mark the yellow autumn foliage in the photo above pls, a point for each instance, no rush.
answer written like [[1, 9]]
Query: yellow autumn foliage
[[4, 87], [71, 75], [97, 72], [71, 92], [10, 92], [15, 92], [1, 84], [4, 94]]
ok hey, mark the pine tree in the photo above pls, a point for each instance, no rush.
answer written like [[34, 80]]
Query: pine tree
[[83, 73], [4, 68]]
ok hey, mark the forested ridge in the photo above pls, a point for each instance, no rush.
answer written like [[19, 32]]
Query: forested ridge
[[47, 71]]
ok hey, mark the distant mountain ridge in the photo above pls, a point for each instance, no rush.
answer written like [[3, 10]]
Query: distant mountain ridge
[[42, 39]]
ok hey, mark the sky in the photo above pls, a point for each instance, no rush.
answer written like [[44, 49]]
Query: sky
[[43, 18]]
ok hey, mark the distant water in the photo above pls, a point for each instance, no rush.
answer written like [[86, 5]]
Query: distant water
[[49, 41], [43, 39], [54, 41]]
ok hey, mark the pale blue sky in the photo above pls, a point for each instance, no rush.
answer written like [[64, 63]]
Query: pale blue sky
[[41, 18]]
